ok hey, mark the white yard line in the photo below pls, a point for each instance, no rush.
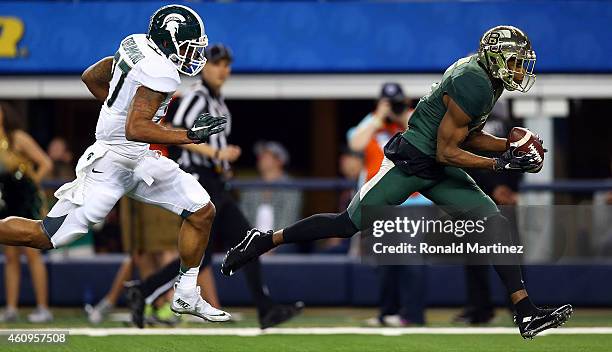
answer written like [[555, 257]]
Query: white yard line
[[319, 331]]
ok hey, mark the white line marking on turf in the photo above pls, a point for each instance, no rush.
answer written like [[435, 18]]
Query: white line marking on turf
[[324, 331]]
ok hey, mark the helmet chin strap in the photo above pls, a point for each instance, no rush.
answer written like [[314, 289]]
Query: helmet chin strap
[[154, 46]]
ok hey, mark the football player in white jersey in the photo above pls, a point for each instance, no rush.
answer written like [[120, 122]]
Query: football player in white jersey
[[135, 86]]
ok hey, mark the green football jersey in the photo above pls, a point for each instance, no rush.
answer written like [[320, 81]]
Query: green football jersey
[[470, 87]]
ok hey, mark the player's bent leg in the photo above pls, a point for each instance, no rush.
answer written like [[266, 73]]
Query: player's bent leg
[[179, 192], [459, 195], [16, 231], [390, 186], [67, 222], [194, 236], [315, 227], [193, 240]]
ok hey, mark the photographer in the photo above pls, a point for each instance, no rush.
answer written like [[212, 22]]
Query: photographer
[[402, 298], [376, 129]]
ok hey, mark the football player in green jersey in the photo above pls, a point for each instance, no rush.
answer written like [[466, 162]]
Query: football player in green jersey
[[429, 158]]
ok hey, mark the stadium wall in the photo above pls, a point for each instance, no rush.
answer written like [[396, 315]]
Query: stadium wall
[[332, 280], [42, 37]]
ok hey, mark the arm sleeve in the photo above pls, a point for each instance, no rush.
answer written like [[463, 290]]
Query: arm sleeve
[[471, 92]]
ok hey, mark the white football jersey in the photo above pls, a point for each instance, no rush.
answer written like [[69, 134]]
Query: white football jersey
[[136, 63]]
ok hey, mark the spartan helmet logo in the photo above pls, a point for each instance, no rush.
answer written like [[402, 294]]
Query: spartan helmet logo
[[178, 33], [171, 23]]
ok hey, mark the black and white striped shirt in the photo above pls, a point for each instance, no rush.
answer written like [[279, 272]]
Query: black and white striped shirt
[[202, 100]]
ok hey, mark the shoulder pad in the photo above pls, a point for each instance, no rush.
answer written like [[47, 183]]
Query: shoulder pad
[[157, 74]]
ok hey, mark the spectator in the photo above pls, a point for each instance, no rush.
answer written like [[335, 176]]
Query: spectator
[[269, 209], [62, 158], [401, 287], [602, 221], [376, 129], [351, 169], [23, 165]]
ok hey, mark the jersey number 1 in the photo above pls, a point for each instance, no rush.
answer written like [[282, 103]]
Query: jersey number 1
[[125, 69]]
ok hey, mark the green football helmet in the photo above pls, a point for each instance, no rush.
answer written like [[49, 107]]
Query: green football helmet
[[178, 32], [507, 54]]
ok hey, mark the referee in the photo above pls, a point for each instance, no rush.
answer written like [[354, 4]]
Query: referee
[[210, 164]]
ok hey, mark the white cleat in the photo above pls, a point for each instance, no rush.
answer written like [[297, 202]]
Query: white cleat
[[40, 315], [192, 303], [97, 314]]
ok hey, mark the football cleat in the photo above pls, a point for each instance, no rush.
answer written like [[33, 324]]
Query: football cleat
[[279, 314], [544, 319], [135, 302], [252, 246], [192, 303]]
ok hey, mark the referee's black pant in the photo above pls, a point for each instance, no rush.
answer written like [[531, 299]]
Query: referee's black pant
[[229, 226]]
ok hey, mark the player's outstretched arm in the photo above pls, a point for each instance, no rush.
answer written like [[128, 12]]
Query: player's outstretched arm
[[452, 134], [139, 125], [97, 77]]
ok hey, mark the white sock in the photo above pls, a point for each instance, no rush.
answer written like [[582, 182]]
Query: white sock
[[188, 279]]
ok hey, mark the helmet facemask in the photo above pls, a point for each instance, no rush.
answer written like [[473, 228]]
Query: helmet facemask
[[189, 58], [507, 53]]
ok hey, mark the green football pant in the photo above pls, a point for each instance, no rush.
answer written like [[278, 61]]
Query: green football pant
[[456, 192]]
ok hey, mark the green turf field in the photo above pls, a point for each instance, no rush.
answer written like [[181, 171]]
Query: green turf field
[[318, 343], [312, 317], [308, 339]]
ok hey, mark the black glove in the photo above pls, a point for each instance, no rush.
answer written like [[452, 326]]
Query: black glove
[[524, 163], [206, 125]]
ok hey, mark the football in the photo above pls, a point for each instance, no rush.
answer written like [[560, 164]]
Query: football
[[524, 141]]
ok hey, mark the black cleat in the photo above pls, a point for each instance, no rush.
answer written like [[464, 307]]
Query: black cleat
[[544, 319], [474, 316], [135, 302], [252, 246], [279, 314]]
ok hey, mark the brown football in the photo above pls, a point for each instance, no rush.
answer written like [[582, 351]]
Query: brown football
[[524, 141]]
